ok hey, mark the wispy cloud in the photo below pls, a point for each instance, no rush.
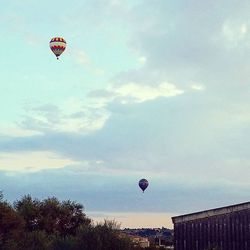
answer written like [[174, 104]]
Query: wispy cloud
[[137, 93], [76, 115], [72, 116], [144, 93], [83, 59], [31, 161]]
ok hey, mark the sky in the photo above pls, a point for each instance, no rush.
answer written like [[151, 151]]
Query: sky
[[152, 89]]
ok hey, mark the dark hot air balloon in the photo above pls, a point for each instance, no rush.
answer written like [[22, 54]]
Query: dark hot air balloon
[[57, 45], [143, 184]]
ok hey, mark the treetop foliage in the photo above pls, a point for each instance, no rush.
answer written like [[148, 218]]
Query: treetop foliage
[[51, 224]]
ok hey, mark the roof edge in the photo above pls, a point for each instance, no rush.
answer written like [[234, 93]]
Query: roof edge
[[211, 212]]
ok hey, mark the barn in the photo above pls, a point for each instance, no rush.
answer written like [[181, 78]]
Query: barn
[[225, 228]]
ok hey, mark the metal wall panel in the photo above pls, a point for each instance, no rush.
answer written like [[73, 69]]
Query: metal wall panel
[[229, 231]]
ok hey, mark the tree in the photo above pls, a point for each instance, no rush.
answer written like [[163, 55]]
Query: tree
[[36, 240], [63, 218], [103, 236], [51, 215], [64, 243], [54, 225], [11, 226], [29, 209], [71, 217]]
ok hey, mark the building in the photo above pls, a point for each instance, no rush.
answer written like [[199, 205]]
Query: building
[[225, 228], [163, 240], [142, 242], [159, 237], [137, 240]]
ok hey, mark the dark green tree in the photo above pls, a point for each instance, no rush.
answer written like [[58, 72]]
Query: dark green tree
[[29, 209], [36, 240], [51, 215], [11, 226], [103, 236], [54, 225]]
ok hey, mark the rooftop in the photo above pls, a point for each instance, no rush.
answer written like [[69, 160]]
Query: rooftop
[[211, 212]]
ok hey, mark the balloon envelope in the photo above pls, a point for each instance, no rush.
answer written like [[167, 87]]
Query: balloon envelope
[[57, 45], [143, 184]]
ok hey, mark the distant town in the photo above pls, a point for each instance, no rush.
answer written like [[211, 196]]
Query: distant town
[[146, 237]]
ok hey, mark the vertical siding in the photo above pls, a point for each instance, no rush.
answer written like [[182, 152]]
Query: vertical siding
[[227, 232]]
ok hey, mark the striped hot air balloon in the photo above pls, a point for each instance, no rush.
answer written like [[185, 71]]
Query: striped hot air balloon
[[57, 45]]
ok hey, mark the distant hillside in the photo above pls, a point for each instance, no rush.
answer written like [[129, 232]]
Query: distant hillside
[[149, 232]]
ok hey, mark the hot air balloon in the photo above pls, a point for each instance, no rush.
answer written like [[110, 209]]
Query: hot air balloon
[[143, 184], [57, 45]]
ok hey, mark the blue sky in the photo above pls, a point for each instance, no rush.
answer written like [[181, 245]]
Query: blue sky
[[157, 90]]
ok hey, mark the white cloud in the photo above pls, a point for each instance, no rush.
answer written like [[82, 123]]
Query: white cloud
[[32, 161], [72, 116], [197, 86], [142, 60], [234, 32], [115, 2], [134, 93], [83, 59], [76, 115], [14, 130], [141, 93]]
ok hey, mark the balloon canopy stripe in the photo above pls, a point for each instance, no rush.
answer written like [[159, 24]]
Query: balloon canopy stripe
[[58, 39], [57, 47], [58, 43]]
